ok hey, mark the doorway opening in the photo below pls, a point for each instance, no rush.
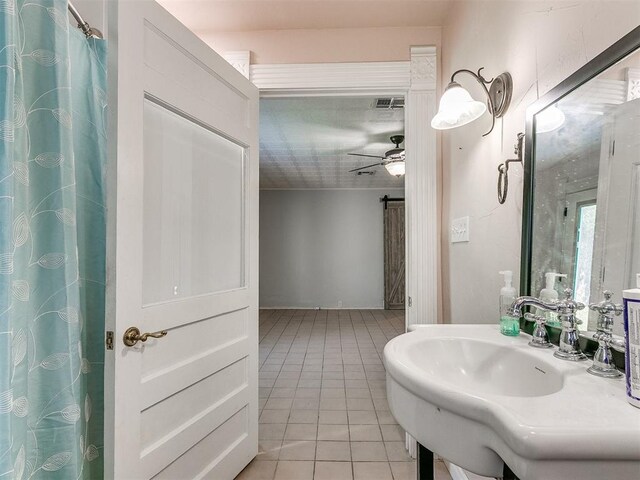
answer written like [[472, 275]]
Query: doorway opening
[[327, 238]]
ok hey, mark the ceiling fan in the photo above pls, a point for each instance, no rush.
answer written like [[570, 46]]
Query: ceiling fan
[[393, 160]]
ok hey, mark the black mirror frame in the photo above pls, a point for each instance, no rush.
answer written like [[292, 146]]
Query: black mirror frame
[[616, 52]]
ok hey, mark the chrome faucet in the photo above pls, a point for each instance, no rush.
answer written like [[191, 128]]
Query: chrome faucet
[[566, 310], [603, 364]]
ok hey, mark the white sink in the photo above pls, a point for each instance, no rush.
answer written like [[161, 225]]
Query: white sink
[[478, 399]]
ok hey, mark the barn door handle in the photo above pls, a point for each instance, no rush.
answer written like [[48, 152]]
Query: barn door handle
[[133, 336]]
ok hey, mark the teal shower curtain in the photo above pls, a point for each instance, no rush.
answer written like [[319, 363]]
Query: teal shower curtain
[[52, 243]]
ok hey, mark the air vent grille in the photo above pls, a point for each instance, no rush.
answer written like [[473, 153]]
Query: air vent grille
[[389, 103]]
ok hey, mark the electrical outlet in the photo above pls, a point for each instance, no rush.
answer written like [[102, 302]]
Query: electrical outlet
[[339, 303], [460, 230]]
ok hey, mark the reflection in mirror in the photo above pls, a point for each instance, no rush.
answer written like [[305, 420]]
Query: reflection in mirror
[[586, 210]]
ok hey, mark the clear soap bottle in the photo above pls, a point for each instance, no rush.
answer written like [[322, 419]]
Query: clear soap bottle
[[509, 325]]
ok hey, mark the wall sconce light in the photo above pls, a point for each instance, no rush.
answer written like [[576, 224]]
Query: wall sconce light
[[458, 108]]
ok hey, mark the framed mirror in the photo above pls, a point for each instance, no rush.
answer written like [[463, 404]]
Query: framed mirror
[[581, 212]]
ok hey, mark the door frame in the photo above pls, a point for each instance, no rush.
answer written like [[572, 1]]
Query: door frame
[[416, 80]]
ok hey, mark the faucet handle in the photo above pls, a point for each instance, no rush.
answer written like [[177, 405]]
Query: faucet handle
[[607, 307], [568, 303]]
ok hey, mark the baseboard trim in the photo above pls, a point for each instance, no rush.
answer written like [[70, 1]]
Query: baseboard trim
[[456, 472]]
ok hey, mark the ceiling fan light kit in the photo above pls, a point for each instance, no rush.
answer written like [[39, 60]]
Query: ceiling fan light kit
[[457, 107], [393, 160]]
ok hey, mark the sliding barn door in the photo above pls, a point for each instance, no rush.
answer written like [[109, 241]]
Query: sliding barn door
[[394, 257], [183, 231]]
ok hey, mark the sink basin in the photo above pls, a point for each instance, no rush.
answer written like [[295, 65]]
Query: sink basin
[[481, 399], [483, 367]]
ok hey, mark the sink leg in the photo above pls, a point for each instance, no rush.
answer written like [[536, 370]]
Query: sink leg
[[425, 463], [507, 474]]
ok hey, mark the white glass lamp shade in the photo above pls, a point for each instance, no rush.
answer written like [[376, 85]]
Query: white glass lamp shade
[[457, 108], [549, 119], [395, 168]]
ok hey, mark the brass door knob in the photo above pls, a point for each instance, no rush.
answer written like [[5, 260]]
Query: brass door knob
[[133, 336]]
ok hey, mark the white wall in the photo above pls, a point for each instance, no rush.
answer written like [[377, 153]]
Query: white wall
[[539, 43], [320, 247], [328, 45]]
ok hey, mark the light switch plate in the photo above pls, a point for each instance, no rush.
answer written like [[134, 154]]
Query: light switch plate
[[460, 230]]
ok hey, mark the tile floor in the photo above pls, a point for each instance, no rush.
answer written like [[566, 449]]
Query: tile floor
[[324, 412]]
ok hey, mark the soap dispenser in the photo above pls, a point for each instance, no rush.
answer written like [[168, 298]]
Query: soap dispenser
[[509, 325], [549, 294]]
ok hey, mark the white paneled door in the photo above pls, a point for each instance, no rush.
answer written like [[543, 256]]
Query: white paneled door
[[183, 233]]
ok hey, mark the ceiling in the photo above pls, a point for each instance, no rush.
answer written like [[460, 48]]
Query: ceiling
[[202, 16], [304, 142]]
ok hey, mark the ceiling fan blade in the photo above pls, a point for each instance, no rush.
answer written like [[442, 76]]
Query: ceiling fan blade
[[366, 166], [364, 155]]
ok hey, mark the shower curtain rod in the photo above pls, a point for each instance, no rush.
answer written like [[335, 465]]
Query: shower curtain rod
[[87, 29]]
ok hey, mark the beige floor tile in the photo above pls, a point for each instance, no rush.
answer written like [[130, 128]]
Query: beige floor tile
[[333, 451], [305, 404], [372, 471], [333, 417], [357, 417], [258, 470], [301, 431], [403, 470], [278, 403], [380, 404], [333, 471], [297, 450], [338, 433], [309, 383], [269, 449], [396, 452], [274, 416], [286, 383], [333, 404], [332, 383], [392, 433], [271, 431], [307, 392], [368, 452], [359, 404], [386, 418], [287, 470], [365, 433], [303, 416], [358, 393], [332, 393], [282, 393]]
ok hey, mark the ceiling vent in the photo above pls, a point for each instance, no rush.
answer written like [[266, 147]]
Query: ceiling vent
[[389, 103]]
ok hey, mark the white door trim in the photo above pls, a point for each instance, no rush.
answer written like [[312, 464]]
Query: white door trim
[[416, 80]]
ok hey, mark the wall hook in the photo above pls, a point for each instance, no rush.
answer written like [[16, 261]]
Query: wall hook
[[503, 170]]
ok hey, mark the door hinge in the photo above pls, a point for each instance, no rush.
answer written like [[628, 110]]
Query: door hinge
[[566, 211], [613, 148], [409, 301], [109, 340]]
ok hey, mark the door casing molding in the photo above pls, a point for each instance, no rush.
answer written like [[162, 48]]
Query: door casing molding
[[416, 80]]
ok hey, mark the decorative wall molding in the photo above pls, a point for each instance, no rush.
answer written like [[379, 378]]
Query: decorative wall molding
[[421, 186], [240, 60], [331, 78], [416, 81], [423, 67], [633, 83]]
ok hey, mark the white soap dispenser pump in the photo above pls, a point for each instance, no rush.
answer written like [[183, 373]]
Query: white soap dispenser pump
[[550, 294], [509, 325]]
